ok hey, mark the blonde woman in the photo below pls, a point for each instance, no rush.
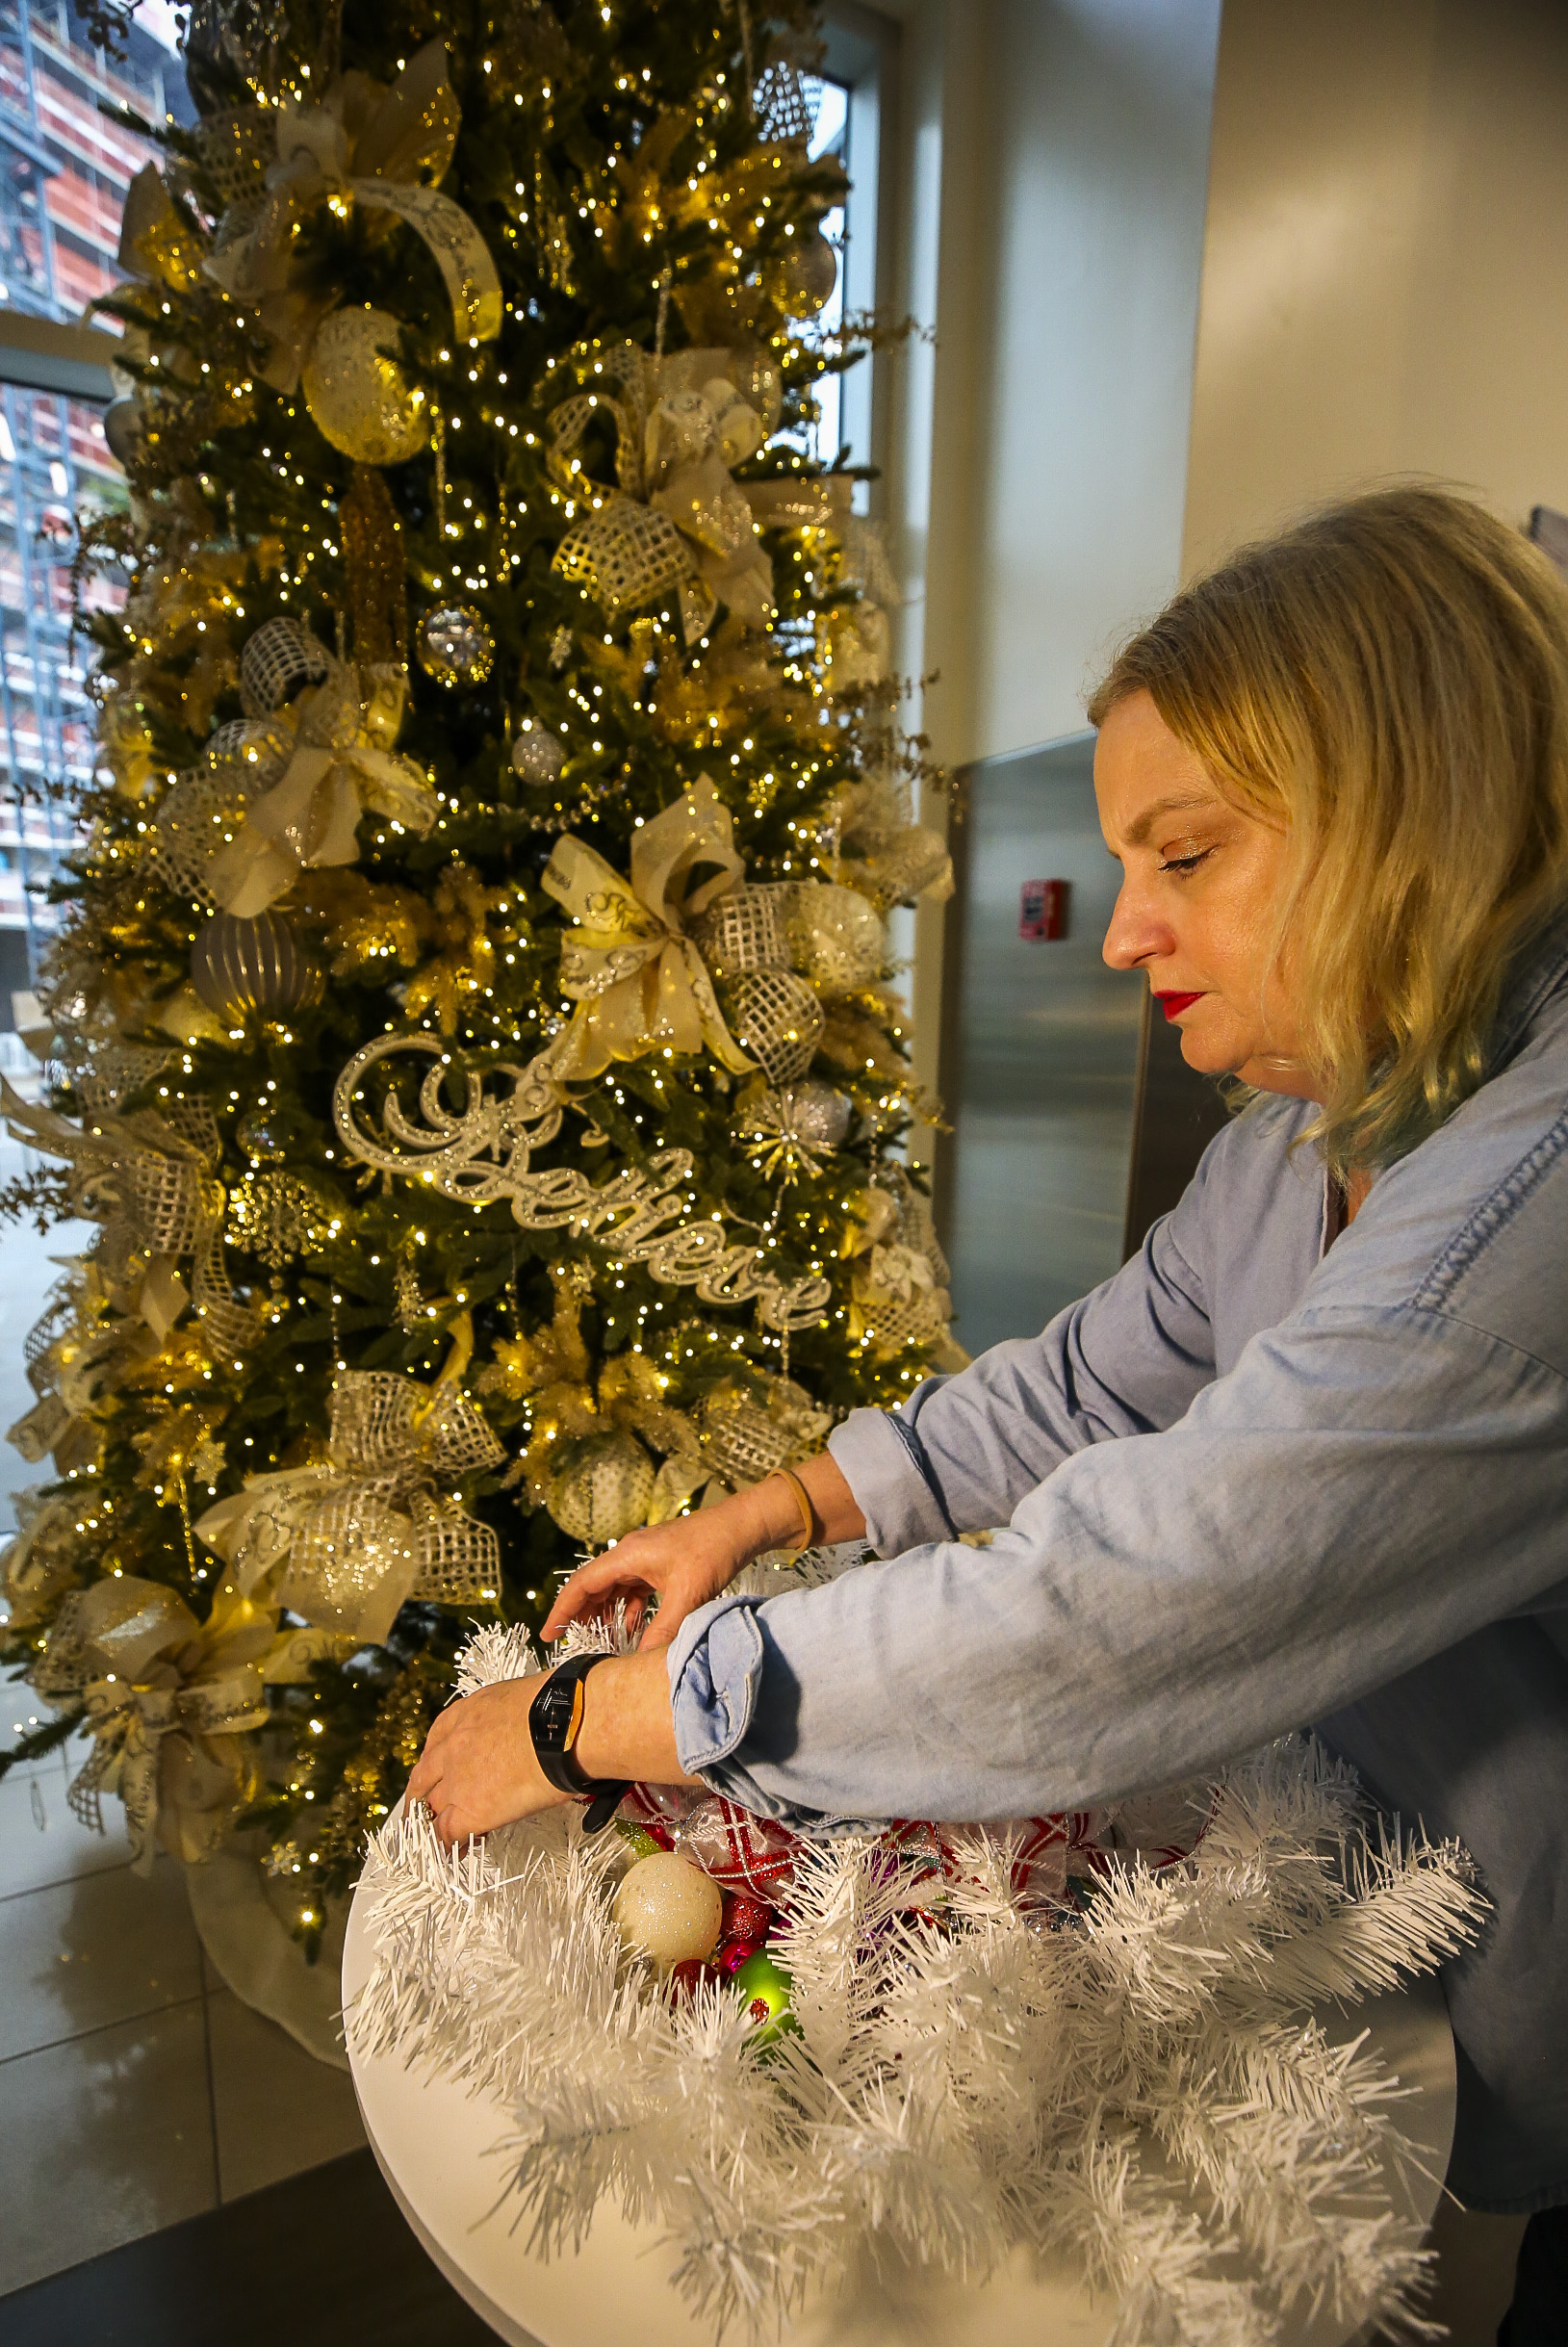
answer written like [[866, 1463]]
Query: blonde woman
[[1304, 1459]]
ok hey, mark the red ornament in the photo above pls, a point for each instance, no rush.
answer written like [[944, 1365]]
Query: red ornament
[[685, 1976], [730, 1954], [760, 2009], [745, 1918]]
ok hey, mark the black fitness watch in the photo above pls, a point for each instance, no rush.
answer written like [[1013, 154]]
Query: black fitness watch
[[555, 1719]]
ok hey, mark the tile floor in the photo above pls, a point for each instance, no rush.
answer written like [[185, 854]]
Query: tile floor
[[135, 2090]]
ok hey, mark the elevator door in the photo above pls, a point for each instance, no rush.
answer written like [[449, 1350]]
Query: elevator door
[[1041, 1052]]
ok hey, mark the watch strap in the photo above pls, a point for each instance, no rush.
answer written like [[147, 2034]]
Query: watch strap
[[555, 1719]]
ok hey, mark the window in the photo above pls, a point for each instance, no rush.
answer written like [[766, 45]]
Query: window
[[63, 171]]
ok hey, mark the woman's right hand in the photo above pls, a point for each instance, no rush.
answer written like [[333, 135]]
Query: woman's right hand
[[683, 1563], [695, 1558]]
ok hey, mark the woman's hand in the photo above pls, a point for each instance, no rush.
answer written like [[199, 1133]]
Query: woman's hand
[[684, 1562], [477, 1769], [695, 1558]]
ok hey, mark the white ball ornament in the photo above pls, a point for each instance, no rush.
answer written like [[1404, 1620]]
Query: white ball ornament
[[668, 1910]]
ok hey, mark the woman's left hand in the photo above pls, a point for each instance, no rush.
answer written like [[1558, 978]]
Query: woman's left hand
[[477, 1769]]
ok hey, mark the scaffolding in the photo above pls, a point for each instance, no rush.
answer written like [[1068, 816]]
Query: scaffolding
[[65, 167]]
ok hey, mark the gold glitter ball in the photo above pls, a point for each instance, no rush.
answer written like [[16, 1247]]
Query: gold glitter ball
[[358, 395], [668, 1910]]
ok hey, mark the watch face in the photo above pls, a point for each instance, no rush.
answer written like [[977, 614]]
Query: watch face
[[551, 1714]]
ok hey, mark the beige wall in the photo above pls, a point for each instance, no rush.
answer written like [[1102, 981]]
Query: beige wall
[[1046, 173], [1385, 271], [1063, 282]]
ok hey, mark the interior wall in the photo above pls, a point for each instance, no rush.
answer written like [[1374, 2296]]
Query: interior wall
[[1385, 274], [1048, 164]]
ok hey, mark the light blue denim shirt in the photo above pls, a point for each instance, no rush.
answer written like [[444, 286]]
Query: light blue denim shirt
[[1251, 1484]]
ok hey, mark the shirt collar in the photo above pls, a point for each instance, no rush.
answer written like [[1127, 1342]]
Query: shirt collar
[[1538, 973]]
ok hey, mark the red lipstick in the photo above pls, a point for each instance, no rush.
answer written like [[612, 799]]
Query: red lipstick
[[1173, 1005]]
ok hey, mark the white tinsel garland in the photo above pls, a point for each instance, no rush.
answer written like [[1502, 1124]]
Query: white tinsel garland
[[1140, 2090]]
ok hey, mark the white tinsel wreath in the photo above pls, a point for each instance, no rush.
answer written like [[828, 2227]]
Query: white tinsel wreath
[[1138, 2088]]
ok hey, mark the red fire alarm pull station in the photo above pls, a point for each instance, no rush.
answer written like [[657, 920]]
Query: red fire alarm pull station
[[1042, 909]]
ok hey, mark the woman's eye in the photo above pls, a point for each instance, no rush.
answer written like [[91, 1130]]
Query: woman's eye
[[1185, 863]]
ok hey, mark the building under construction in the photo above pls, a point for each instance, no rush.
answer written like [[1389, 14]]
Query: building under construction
[[64, 167]]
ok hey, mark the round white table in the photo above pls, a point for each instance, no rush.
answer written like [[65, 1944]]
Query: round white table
[[436, 2146]]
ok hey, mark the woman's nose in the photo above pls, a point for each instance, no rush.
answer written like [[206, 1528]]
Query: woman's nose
[[1137, 934]]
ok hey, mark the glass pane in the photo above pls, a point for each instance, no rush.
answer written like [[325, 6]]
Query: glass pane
[[63, 171], [830, 137]]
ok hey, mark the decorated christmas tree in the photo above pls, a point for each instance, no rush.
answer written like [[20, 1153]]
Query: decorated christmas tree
[[471, 1029]]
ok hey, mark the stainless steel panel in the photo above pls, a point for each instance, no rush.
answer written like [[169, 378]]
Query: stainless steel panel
[[1041, 1051]]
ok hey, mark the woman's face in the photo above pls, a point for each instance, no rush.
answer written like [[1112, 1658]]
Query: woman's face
[[1201, 884]]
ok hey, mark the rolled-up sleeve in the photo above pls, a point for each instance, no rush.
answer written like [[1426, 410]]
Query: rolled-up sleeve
[[962, 1451], [1309, 1529]]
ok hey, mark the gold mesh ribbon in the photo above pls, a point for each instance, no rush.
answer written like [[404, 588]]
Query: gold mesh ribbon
[[347, 1540], [155, 243], [312, 771], [899, 1294], [153, 1190], [167, 1700], [361, 145], [675, 522], [637, 978]]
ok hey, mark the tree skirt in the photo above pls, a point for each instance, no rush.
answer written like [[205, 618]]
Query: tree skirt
[[1058, 2035]]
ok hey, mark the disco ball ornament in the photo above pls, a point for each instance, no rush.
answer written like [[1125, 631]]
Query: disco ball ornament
[[537, 756], [265, 1135], [802, 278], [244, 970], [454, 646], [358, 395], [817, 1114]]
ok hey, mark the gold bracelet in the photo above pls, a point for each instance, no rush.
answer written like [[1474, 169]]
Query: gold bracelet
[[807, 1514]]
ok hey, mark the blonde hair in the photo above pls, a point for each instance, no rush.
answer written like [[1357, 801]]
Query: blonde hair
[[1389, 680]]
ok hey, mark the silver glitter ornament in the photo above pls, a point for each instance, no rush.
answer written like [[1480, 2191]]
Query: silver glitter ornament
[[537, 755], [244, 969], [817, 1114], [454, 645], [787, 1133]]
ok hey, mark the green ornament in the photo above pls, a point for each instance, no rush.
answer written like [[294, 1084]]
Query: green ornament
[[766, 1988], [638, 1839]]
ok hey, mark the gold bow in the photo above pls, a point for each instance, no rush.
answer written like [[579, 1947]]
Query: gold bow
[[346, 1540], [154, 1193], [155, 242], [677, 522], [638, 981], [383, 149], [325, 758], [166, 1698]]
